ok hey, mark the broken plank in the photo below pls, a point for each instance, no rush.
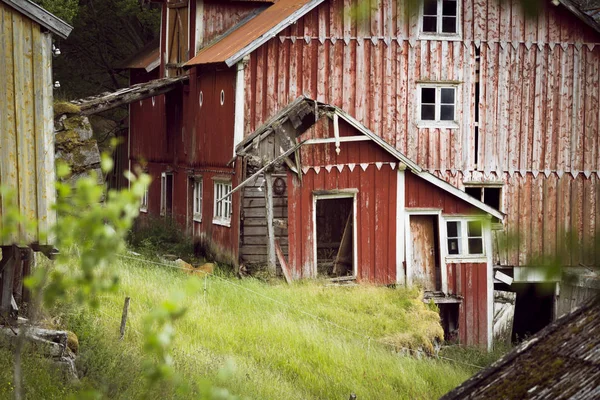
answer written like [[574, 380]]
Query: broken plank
[[283, 263]]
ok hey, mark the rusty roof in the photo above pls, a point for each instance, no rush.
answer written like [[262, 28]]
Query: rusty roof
[[147, 58], [560, 362], [255, 32]]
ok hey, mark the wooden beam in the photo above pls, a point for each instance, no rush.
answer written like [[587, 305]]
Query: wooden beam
[[272, 260], [283, 263], [260, 171]]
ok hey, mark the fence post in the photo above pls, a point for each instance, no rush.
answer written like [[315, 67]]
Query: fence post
[[124, 316]]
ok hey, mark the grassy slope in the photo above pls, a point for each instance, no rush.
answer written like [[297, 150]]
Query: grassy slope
[[279, 352]]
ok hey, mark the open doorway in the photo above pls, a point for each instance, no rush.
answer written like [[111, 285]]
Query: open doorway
[[425, 260], [334, 223]]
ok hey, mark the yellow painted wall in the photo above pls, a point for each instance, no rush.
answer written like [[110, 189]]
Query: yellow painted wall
[[26, 121]]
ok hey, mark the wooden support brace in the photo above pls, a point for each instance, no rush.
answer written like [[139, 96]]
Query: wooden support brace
[[272, 258], [284, 267], [7, 266]]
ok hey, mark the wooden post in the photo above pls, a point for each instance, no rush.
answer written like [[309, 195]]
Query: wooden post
[[272, 256], [7, 266], [124, 316]]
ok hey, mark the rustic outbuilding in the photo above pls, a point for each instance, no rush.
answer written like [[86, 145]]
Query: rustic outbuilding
[[26, 136], [340, 202]]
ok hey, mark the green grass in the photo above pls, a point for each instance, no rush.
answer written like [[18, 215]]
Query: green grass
[[277, 336]]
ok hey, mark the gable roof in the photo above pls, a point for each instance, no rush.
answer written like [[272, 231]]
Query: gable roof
[[41, 16], [560, 362], [254, 33], [295, 108]]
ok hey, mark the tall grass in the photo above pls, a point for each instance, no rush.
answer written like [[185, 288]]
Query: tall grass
[[306, 341]]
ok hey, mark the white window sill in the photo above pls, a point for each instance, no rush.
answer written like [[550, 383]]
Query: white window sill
[[222, 222], [450, 37], [437, 124], [143, 210], [463, 259], [197, 219]]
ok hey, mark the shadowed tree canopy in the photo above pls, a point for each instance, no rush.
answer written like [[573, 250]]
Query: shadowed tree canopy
[[105, 33]]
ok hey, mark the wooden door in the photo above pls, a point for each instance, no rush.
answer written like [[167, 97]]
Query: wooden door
[[423, 264]]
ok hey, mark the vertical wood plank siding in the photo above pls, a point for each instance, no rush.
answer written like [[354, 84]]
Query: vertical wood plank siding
[[538, 103], [26, 123], [376, 203]]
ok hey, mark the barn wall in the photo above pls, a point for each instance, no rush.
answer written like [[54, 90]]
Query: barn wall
[[253, 225], [148, 130], [27, 124], [538, 103], [469, 280], [422, 194], [376, 211], [220, 16]]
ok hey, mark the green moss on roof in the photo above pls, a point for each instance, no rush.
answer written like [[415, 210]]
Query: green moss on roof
[[64, 107]]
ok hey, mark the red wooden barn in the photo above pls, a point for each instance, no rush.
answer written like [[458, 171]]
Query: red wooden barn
[[497, 105]]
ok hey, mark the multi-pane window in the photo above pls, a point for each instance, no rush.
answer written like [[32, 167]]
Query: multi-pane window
[[438, 103], [222, 209], [197, 199], [166, 193], [440, 17], [465, 237]]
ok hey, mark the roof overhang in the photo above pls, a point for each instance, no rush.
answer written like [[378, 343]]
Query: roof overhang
[[41, 16], [587, 19]]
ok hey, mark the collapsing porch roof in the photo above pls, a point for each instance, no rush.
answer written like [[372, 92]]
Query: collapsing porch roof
[[304, 112], [109, 100]]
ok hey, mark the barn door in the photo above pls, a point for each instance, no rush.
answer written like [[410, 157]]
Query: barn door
[[424, 260], [177, 36]]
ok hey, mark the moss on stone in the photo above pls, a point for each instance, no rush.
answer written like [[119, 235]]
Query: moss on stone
[[64, 107]]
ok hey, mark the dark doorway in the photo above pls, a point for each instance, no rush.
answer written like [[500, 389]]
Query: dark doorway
[[335, 237], [533, 308]]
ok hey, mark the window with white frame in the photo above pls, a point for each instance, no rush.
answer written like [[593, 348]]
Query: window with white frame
[[440, 18], [166, 193], [465, 237], [197, 198], [437, 104], [144, 201], [222, 205]]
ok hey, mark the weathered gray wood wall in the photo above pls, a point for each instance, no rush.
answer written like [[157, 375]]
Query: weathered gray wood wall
[[26, 123]]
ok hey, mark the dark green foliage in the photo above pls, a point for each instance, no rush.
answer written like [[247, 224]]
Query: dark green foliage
[[159, 236]]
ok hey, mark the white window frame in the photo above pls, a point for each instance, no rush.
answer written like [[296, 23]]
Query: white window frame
[[197, 198], [439, 35], [437, 122], [144, 202], [225, 205], [163, 192], [463, 255]]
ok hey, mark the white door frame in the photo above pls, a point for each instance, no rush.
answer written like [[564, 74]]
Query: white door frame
[[440, 236], [336, 194]]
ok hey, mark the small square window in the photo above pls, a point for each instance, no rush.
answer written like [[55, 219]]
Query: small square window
[[440, 17], [222, 204], [465, 237], [490, 195], [438, 103]]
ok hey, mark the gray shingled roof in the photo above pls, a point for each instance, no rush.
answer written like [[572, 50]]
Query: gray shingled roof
[[560, 362], [41, 16]]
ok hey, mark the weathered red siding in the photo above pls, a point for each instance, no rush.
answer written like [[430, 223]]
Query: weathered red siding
[[376, 219], [470, 282], [422, 194], [538, 102]]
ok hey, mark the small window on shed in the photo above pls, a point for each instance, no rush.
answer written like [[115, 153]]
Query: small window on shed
[[465, 237]]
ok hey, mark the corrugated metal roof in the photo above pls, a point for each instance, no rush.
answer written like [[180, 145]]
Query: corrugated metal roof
[[41, 16], [233, 47], [147, 58], [560, 362]]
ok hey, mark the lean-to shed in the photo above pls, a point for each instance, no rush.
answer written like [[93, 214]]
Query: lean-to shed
[[340, 202], [26, 131]]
